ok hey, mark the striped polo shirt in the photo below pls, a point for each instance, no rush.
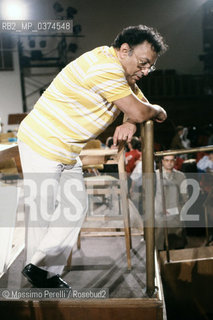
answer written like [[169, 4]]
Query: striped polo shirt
[[77, 106]]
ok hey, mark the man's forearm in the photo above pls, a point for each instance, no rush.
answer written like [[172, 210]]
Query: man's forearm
[[148, 111], [139, 111]]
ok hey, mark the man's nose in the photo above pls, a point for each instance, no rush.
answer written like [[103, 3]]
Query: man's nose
[[145, 72]]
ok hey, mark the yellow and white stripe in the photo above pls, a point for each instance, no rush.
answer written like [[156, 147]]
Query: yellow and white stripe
[[77, 106]]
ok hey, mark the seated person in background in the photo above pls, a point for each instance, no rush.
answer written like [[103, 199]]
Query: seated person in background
[[205, 164], [132, 155], [174, 201], [179, 163], [180, 141], [184, 138], [176, 140]]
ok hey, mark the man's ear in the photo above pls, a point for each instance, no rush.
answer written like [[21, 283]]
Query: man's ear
[[124, 50]]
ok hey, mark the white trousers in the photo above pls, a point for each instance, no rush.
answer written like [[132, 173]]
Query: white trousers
[[55, 208]]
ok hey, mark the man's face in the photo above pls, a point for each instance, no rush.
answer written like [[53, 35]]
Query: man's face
[[137, 61], [168, 163]]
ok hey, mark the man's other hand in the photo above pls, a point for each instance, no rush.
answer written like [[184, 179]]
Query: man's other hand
[[124, 132], [161, 115]]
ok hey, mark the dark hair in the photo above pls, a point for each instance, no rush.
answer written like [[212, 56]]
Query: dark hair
[[135, 35], [173, 155], [136, 144], [179, 128]]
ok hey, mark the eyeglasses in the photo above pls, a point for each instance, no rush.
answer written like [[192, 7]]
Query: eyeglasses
[[144, 64]]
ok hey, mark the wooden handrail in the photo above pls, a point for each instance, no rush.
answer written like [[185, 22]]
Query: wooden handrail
[[98, 152], [183, 151]]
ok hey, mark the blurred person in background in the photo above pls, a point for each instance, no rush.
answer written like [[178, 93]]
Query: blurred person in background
[[174, 201], [133, 154], [205, 164]]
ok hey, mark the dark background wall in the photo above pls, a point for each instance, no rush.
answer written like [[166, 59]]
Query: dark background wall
[[180, 21]]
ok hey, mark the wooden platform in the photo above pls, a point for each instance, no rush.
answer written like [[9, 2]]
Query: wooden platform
[[110, 309], [100, 263]]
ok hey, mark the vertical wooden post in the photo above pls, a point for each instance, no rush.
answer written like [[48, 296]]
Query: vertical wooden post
[[125, 204], [165, 226], [148, 183], [143, 174]]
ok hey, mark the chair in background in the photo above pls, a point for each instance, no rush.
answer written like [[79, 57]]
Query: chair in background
[[91, 169], [104, 185]]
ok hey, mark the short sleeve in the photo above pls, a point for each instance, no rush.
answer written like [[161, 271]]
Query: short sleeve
[[108, 81]]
